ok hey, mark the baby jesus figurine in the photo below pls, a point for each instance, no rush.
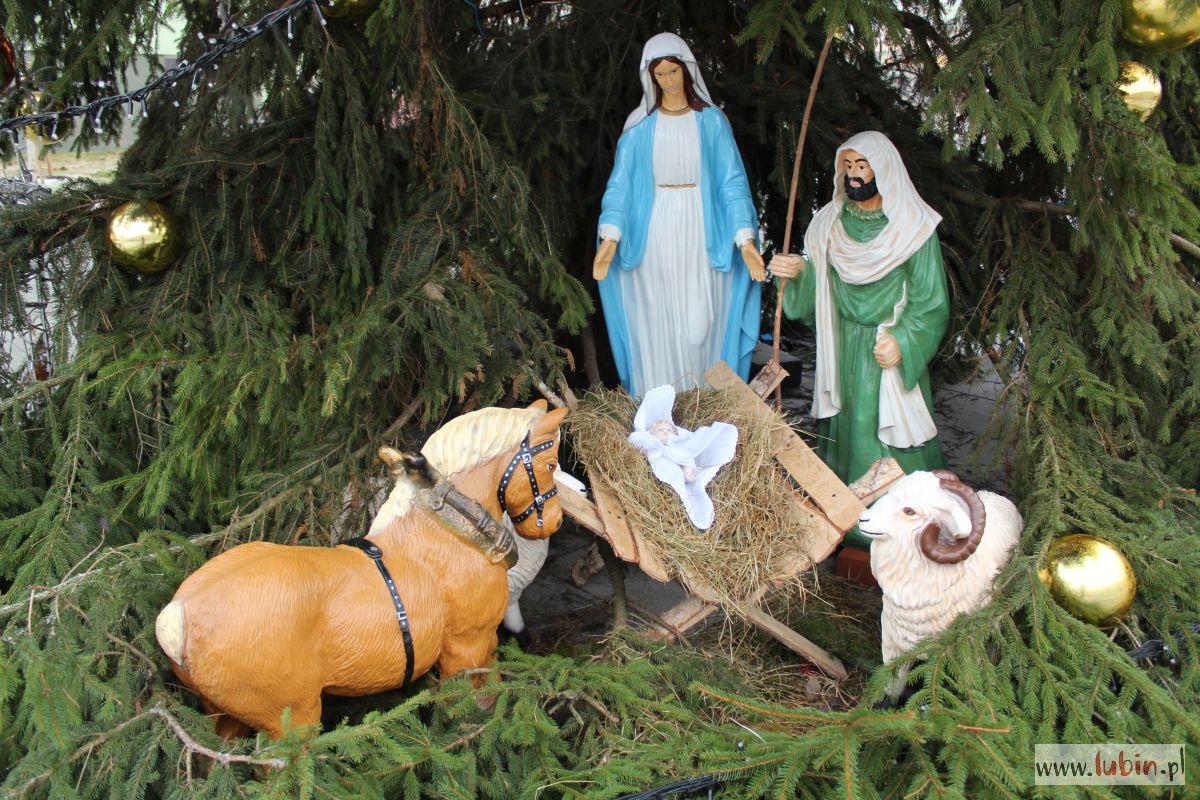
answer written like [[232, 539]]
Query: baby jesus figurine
[[684, 460]]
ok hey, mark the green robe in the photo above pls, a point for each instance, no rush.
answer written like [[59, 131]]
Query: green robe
[[849, 442]]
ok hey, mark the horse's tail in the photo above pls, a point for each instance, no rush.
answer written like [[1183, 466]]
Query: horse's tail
[[170, 632]]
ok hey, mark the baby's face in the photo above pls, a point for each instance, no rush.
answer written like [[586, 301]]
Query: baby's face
[[663, 430]]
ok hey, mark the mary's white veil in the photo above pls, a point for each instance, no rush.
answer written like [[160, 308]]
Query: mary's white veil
[[663, 45]]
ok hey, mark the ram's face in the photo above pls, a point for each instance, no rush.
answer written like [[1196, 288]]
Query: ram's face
[[911, 504]]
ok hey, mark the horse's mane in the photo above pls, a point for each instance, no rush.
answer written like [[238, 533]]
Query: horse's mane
[[475, 437], [461, 443]]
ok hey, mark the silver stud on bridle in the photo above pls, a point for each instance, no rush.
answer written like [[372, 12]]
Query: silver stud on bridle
[[524, 456]]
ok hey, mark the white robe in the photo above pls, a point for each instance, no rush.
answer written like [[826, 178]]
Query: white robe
[[674, 298], [703, 451]]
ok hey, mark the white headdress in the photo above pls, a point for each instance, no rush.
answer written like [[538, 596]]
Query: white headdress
[[910, 223], [663, 45]]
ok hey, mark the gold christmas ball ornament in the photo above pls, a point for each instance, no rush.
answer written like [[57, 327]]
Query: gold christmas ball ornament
[[1090, 578], [348, 9], [144, 236], [1160, 26], [1140, 88], [8, 61]]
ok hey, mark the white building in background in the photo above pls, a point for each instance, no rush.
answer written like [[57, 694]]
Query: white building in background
[[23, 353], [166, 49]]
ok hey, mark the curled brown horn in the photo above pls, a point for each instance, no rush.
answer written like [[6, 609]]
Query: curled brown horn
[[949, 551]]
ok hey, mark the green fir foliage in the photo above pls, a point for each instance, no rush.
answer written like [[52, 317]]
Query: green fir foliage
[[391, 220]]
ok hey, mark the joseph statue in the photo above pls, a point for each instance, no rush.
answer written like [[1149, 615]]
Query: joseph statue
[[873, 288]]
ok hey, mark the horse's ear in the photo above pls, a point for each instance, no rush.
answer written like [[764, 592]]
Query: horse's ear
[[546, 426], [391, 456], [539, 404]]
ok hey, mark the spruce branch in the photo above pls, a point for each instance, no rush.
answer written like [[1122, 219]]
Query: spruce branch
[[237, 525], [40, 387], [191, 747], [1043, 207]]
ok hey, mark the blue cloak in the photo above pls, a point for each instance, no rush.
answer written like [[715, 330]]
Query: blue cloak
[[728, 208]]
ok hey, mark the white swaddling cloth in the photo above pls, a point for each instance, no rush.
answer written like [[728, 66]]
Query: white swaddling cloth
[[904, 419], [684, 460]]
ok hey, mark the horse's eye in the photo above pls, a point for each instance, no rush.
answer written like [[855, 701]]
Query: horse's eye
[[551, 467], [908, 512]]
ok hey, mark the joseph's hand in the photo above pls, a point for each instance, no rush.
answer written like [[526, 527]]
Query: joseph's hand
[[786, 266], [604, 257], [887, 351]]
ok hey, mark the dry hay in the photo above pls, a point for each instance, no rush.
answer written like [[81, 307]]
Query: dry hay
[[756, 534], [839, 615]]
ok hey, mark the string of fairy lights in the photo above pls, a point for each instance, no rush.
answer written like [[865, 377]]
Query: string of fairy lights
[[197, 71]]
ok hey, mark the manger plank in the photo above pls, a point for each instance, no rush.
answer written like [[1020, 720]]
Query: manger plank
[[687, 614], [606, 518], [624, 539], [818, 481], [806, 468], [824, 537], [764, 621], [582, 510], [650, 561], [652, 565], [877, 480], [795, 642], [768, 378], [616, 528]]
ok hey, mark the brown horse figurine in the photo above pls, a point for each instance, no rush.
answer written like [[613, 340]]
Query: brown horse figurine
[[265, 627]]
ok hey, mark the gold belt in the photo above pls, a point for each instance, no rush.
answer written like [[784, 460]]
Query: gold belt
[[677, 186]]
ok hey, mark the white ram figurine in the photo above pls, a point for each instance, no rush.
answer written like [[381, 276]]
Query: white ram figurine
[[531, 556], [936, 547]]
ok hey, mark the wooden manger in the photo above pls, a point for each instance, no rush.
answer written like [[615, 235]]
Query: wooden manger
[[827, 507]]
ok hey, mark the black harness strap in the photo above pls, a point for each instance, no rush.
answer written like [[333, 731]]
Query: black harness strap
[[376, 555], [525, 456]]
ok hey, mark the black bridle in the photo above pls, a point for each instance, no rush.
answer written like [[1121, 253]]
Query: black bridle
[[525, 456]]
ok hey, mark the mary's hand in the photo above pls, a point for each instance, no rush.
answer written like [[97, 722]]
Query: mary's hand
[[604, 257], [754, 260], [786, 265]]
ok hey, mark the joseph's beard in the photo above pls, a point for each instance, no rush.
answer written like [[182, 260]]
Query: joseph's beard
[[861, 192]]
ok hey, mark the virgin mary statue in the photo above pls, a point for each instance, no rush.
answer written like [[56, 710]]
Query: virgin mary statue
[[678, 220]]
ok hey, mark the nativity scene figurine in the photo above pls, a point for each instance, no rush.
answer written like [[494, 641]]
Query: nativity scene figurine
[[873, 288], [678, 261], [264, 627]]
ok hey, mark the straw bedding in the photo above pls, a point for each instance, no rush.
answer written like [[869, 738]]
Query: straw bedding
[[754, 534]]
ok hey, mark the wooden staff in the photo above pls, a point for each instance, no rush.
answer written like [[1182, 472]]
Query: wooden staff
[[787, 231]]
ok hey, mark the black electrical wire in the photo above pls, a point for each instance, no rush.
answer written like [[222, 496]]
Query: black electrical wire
[[691, 786], [94, 110], [1155, 649]]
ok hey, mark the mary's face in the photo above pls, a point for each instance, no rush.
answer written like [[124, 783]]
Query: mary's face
[[669, 78]]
